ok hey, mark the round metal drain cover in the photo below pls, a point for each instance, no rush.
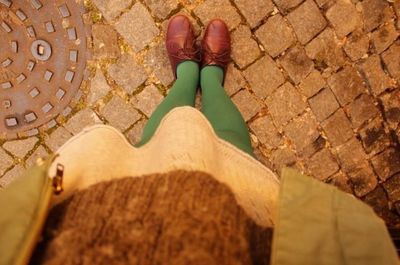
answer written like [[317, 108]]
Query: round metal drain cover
[[42, 61]]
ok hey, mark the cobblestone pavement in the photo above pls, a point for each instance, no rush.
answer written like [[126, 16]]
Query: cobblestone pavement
[[316, 80]]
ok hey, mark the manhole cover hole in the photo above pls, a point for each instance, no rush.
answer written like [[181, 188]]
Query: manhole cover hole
[[42, 59]]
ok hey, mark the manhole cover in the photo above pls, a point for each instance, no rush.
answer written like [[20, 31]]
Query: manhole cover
[[42, 59]]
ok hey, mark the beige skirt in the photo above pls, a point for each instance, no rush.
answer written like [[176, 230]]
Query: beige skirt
[[184, 140]]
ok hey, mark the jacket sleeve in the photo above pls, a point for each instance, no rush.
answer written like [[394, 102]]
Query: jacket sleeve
[[23, 209], [318, 224]]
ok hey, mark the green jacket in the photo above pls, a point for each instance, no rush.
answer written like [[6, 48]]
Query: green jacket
[[317, 224]]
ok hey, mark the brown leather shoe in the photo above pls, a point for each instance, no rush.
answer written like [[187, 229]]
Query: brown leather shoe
[[216, 45], [181, 42]]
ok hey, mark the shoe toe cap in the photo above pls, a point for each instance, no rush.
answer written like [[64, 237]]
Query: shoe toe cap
[[179, 25]]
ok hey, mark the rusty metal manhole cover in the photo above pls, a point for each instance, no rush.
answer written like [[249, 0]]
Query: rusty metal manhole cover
[[42, 60]]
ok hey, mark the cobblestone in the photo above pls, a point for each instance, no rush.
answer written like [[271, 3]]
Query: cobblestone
[[81, 120], [391, 59], [222, 9], [383, 37], [111, 9], [57, 138], [99, 88], [352, 158], [297, 64], [341, 181], [325, 158], [289, 97], [362, 109], [137, 20], [262, 158], [324, 3], [20, 148], [266, 132], [40, 152], [255, 10], [396, 5], [398, 134], [11, 175], [134, 135], [392, 188], [312, 148], [344, 17], [387, 163], [378, 200], [6, 161], [302, 131], [264, 77], [283, 157], [244, 49], [105, 42], [375, 75], [346, 85], [234, 80], [120, 113], [247, 104], [285, 5], [307, 21], [276, 35], [364, 179], [375, 12], [122, 71], [323, 104], [158, 60], [147, 100], [356, 45], [338, 128], [161, 9], [326, 50], [374, 136], [312, 84], [351, 155], [391, 104]]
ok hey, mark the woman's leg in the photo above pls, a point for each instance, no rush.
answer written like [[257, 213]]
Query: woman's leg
[[222, 113], [182, 93]]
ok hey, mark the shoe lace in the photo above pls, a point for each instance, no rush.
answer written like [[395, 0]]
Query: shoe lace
[[221, 58], [186, 52]]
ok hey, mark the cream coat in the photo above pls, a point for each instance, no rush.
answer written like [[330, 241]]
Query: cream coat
[[184, 140]]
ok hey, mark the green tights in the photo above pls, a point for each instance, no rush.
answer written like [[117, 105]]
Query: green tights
[[218, 108]]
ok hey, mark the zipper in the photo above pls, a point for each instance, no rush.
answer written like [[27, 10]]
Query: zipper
[[58, 180]]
